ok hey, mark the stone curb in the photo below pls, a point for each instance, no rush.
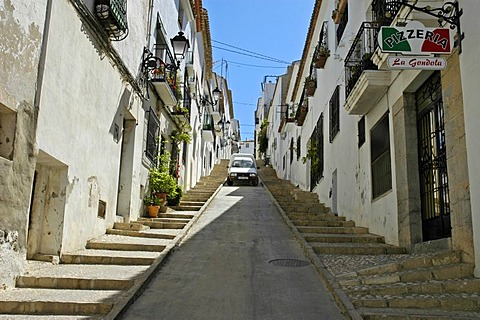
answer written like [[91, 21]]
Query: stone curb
[[341, 298], [141, 283]]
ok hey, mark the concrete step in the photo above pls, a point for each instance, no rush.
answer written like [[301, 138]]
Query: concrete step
[[191, 203], [140, 234], [438, 273], [125, 243], [304, 208], [85, 277], [176, 215], [454, 302], [196, 198], [355, 248], [414, 263], [110, 257], [186, 208], [164, 225], [457, 286], [315, 216], [165, 220], [129, 226], [416, 314], [47, 317], [333, 230], [342, 238], [319, 223], [26, 301]]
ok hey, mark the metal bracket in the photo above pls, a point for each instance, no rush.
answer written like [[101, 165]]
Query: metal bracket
[[449, 12]]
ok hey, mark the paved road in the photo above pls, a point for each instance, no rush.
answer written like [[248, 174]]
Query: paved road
[[223, 268]]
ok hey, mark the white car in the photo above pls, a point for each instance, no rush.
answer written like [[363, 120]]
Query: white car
[[242, 168]]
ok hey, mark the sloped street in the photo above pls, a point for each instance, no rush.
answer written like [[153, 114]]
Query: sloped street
[[239, 261]]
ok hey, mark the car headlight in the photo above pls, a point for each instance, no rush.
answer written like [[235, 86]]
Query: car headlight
[[253, 175], [233, 174]]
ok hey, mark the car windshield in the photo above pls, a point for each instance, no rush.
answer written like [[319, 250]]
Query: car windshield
[[240, 163]]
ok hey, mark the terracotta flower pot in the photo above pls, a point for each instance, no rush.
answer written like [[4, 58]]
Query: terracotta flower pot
[[153, 211]]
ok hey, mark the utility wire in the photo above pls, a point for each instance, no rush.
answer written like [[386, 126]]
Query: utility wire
[[250, 55], [255, 53], [253, 65]]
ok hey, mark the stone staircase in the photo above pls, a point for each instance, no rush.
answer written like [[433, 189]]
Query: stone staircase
[[379, 281], [100, 280], [195, 198]]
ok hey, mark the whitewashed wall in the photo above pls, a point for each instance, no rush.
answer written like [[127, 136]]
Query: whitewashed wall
[[470, 69]]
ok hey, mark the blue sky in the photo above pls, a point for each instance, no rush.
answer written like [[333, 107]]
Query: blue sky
[[272, 28]]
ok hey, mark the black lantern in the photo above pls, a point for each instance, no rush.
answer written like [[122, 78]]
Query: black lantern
[[216, 94], [180, 45]]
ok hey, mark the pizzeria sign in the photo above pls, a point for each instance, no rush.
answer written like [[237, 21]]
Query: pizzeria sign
[[415, 39]]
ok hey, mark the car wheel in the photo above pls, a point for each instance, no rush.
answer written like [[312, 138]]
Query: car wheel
[[255, 183], [229, 182]]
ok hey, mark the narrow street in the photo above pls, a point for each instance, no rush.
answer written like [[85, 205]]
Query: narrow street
[[239, 261]]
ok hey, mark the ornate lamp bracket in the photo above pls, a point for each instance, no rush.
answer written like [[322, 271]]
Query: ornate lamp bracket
[[449, 12]]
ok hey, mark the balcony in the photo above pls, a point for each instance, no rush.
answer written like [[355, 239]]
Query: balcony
[[385, 11], [207, 129], [189, 62], [163, 75], [112, 15], [301, 114]]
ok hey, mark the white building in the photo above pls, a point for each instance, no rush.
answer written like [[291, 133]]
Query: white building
[[392, 149], [90, 92]]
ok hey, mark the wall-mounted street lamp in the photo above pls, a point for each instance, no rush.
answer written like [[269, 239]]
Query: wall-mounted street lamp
[[152, 65], [180, 45], [204, 101], [449, 12]]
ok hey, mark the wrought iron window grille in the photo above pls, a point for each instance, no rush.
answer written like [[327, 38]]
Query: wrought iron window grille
[[113, 17], [153, 132]]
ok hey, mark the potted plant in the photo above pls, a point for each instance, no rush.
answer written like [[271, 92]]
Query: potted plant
[[160, 181], [153, 205], [321, 56], [310, 86]]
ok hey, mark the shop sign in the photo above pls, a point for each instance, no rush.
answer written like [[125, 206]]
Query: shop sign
[[415, 39], [416, 63]]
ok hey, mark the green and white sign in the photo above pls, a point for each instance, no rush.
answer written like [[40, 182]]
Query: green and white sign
[[415, 39]]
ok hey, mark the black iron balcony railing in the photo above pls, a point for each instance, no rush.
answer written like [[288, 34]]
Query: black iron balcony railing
[[113, 17], [153, 127], [359, 57], [384, 11], [166, 69]]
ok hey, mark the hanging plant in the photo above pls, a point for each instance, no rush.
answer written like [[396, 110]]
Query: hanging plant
[[180, 136]]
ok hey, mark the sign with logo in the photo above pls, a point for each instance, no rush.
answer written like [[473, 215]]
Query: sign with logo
[[415, 39], [416, 63]]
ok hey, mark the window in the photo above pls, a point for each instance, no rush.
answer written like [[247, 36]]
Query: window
[[8, 123], [334, 105], [315, 153], [361, 132], [343, 22], [292, 149], [153, 128], [299, 147], [380, 156]]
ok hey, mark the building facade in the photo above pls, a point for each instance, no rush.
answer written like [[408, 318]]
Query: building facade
[[91, 91], [387, 146]]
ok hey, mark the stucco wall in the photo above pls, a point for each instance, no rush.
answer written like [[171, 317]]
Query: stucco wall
[[470, 69], [21, 28]]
